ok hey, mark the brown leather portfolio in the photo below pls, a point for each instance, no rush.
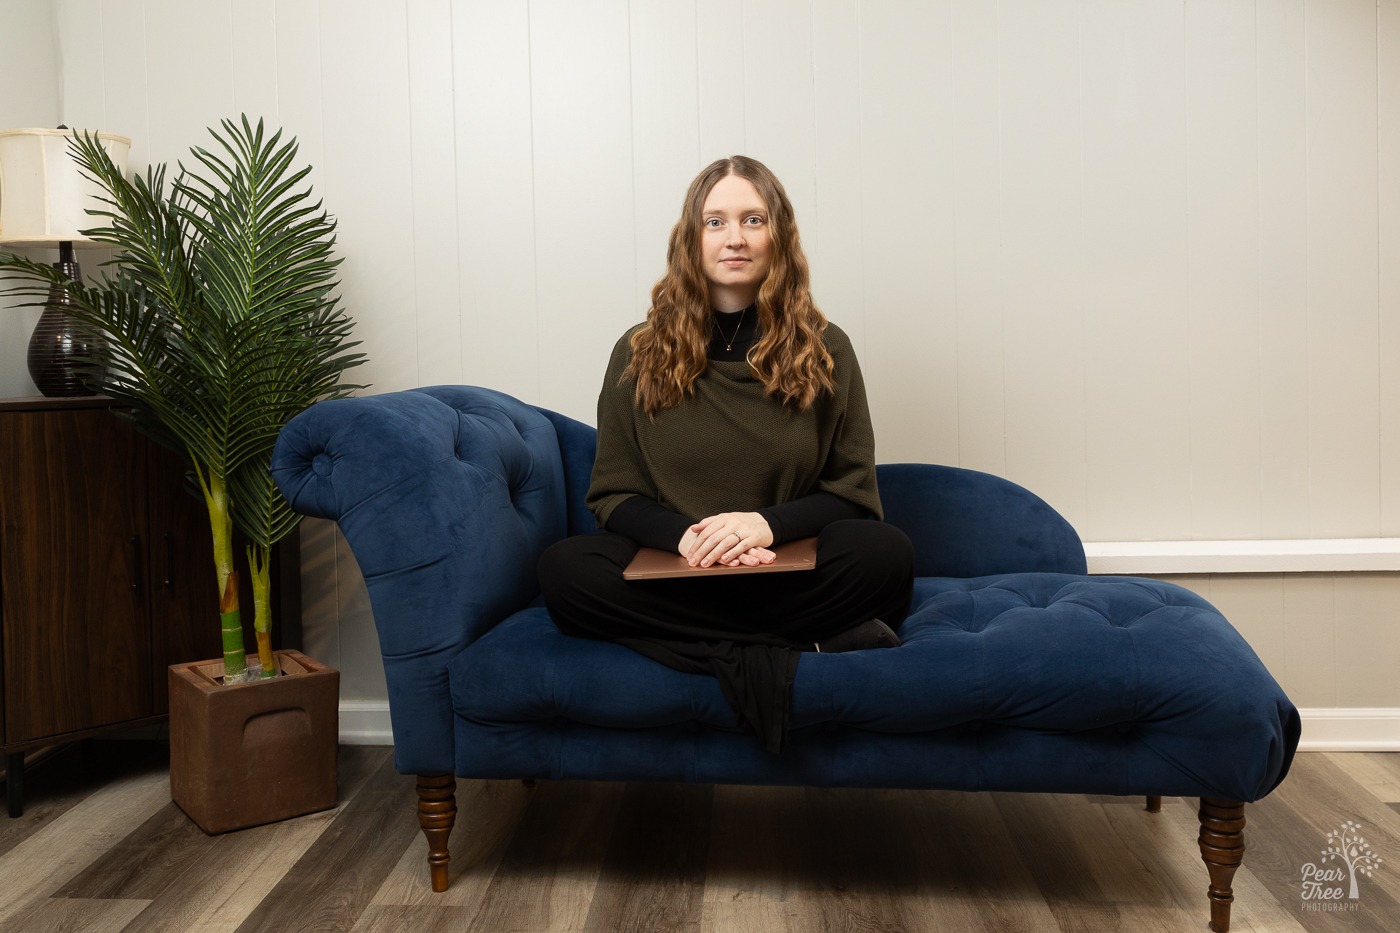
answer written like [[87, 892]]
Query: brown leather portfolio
[[654, 564]]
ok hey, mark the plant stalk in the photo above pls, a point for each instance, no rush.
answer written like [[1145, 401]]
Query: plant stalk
[[230, 617], [260, 563]]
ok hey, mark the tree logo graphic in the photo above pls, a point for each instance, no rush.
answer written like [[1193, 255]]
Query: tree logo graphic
[[1348, 845], [1329, 881]]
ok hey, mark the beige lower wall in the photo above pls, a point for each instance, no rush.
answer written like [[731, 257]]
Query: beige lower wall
[[1332, 640]]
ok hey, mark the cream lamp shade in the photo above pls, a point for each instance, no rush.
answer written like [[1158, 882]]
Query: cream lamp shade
[[44, 196]]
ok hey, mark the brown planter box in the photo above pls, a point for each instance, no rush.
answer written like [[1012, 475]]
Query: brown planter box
[[253, 753]]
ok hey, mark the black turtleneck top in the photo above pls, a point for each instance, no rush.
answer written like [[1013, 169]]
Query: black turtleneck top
[[651, 524]]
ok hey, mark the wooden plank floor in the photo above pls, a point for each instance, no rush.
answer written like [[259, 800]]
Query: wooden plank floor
[[101, 848]]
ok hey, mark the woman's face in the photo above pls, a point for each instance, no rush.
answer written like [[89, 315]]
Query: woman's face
[[735, 246]]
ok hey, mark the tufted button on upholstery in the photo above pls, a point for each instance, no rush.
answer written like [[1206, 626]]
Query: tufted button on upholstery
[[322, 464]]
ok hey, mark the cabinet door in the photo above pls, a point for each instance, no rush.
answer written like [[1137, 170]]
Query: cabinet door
[[184, 587], [72, 560]]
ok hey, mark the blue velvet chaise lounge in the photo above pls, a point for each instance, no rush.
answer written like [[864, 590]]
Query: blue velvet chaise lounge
[[1018, 672]]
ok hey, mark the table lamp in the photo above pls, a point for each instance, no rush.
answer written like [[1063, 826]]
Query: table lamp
[[44, 198]]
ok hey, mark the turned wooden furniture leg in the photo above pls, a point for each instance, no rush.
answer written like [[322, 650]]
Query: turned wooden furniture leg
[[1222, 848], [1154, 804], [437, 811]]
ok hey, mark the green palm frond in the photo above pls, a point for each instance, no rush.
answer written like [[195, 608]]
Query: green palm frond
[[267, 268], [150, 229], [219, 312]]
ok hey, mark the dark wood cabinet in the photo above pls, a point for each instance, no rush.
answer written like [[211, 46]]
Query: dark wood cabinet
[[106, 576]]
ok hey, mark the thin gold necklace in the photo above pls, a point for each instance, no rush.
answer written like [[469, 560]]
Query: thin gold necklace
[[729, 344]]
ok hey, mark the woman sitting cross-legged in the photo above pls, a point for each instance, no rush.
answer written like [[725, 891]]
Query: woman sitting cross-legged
[[731, 420]]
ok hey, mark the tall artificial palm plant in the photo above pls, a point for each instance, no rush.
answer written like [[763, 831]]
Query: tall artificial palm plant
[[220, 322]]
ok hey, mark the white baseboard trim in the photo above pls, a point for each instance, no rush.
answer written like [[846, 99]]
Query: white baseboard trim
[[1148, 558], [1350, 729], [365, 722], [1346, 729]]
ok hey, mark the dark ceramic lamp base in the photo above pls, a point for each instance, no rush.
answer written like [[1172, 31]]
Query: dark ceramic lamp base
[[59, 347]]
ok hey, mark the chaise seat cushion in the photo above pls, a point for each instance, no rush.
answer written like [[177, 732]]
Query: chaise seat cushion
[[1160, 694]]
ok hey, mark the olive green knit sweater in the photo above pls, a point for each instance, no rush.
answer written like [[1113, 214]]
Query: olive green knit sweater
[[732, 447]]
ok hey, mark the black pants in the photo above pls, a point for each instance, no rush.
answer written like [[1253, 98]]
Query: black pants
[[744, 629]]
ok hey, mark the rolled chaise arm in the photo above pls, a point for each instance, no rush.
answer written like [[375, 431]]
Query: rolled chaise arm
[[964, 523], [447, 496], [969, 524]]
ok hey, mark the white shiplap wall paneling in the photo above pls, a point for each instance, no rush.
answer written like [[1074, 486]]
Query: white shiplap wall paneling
[[368, 181], [120, 88], [254, 38], [496, 197], [722, 52], [1284, 430], [779, 98], [84, 41], [910, 357], [1133, 286], [433, 142], [297, 67], [584, 234], [1388, 110], [1054, 211], [832, 237], [1222, 274], [189, 85], [979, 272], [29, 66], [1044, 353], [665, 93], [1342, 269]]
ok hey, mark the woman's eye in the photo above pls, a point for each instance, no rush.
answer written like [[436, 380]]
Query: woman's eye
[[712, 223], [753, 221]]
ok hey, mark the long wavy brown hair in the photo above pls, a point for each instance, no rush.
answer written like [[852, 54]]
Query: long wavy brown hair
[[669, 350]]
